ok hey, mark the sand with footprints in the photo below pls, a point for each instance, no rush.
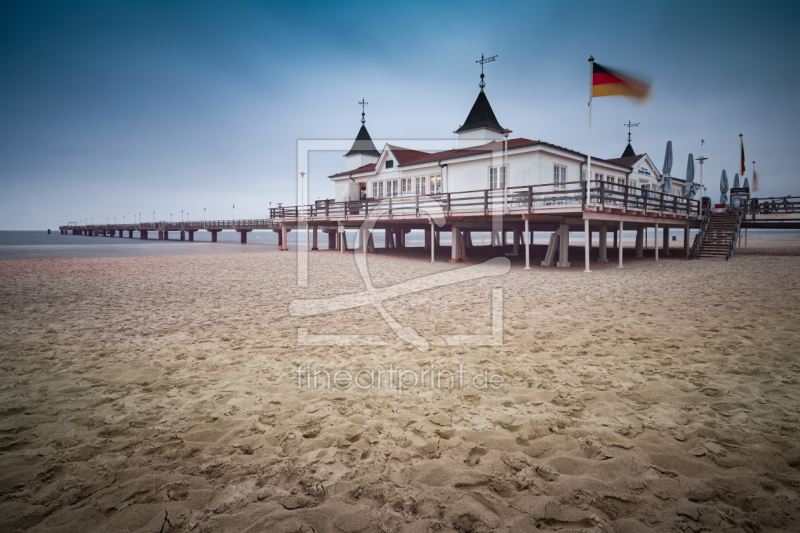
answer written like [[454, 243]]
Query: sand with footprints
[[160, 394]]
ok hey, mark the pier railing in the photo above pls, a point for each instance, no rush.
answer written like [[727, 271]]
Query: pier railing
[[569, 196], [556, 199], [773, 205], [257, 223]]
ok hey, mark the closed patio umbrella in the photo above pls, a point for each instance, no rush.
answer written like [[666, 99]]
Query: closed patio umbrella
[[723, 187], [666, 177], [690, 188]]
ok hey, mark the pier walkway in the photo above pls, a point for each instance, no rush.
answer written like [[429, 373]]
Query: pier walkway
[[594, 207], [163, 228]]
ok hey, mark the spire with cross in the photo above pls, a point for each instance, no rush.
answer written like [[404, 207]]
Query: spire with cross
[[363, 102], [483, 61], [630, 125]]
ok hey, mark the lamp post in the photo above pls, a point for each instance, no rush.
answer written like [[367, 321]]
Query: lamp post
[[181, 216], [702, 160], [234, 212], [204, 215]]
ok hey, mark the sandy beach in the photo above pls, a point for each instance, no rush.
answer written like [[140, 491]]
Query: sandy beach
[[161, 394]]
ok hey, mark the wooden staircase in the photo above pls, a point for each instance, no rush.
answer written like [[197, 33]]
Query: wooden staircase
[[719, 235]]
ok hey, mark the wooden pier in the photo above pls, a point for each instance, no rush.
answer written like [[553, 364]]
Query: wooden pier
[[573, 206], [163, 229], [594, 207]]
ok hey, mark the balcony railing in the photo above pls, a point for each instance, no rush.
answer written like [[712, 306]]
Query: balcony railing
[[571, 196]]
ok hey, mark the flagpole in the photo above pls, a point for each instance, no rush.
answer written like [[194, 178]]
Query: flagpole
[[587, 232]]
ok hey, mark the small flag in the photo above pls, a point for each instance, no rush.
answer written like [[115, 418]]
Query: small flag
[[608, 82], [741, 138], [755, 180]]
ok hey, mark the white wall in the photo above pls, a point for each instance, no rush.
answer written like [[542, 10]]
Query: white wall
[[532, 167], [359, 160], [342, 193], [472, 138]]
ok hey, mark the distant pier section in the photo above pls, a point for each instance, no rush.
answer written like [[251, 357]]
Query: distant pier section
[[182, 230]]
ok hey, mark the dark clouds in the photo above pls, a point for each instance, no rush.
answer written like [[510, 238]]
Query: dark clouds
[[114, 108]]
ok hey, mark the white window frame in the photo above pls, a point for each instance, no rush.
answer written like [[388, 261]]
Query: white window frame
[[498, 176], [406, 187], [435, 181], [419, 185], [377, 190], [559, 176], [391, 188]]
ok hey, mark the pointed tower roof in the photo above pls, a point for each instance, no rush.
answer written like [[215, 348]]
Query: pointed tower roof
[[363, 144], [481, 116], [628, 151]]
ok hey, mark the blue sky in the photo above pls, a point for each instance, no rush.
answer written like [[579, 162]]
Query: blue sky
[[118, 108]]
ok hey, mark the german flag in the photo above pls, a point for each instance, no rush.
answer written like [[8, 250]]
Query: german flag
[[608, 82]]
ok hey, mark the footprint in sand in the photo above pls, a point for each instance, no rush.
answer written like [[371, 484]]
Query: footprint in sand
[[475, 454]]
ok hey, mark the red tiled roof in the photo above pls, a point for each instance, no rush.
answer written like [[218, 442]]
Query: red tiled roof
[[365, 168], [625, 161], [407, 156]]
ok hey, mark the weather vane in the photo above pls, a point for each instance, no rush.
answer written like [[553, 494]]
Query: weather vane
[[363, 102], [630, 125], [483, 61]]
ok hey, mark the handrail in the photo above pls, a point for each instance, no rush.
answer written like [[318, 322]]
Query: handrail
[[698, 239], [187, 225], [774, 204], [580, 194], [735, 236], [484, 201]]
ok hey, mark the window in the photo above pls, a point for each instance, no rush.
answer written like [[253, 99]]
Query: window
[[419, 185], [621, 183], [377, 189], [497, 177], [645, 186], [405, 187], [598, 177], [583, 175], [559, 176], [391, 188], [436, 184], [633, 183], [389, 163]]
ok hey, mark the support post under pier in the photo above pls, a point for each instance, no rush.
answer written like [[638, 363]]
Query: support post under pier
[[243, 235]]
